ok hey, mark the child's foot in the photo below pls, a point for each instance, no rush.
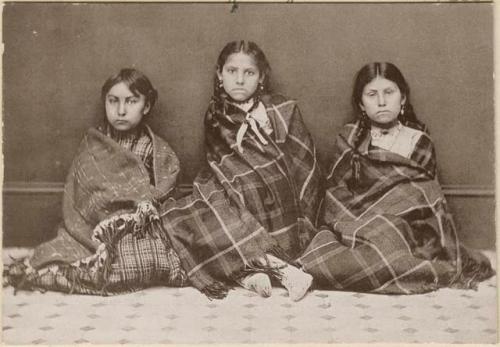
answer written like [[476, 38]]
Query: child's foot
[[259, 283], [296, 281]]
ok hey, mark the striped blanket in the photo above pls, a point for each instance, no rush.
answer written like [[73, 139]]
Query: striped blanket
[[110, 240], [246, 203], [392, 230]]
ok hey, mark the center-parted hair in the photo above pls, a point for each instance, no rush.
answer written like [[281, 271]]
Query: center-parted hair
[[247, 47], [136, 81], [390, 72]]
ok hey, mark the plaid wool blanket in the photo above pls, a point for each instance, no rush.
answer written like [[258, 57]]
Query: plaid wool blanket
[[392, 230], [110, 240], [249, 202]]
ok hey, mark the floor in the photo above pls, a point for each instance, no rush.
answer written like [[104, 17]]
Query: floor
[[183, 315]]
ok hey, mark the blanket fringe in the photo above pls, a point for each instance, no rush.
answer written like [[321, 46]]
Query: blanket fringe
[[156, 231], [17, 276], [22, 276], [475, 268], [257, 267], [143, 222], [280, 253], [264, 265], [216, 290], [96, 268]]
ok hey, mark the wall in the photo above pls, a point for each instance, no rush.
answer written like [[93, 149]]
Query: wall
[[56, 57]]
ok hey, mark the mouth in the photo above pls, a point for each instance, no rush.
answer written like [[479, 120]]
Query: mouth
[[383, 112]]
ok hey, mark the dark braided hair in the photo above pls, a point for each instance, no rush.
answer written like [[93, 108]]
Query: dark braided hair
[[253, 50], [388, 71]]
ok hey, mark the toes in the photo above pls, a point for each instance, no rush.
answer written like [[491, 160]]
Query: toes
[[259, 283], [264, 287], [262, 284]]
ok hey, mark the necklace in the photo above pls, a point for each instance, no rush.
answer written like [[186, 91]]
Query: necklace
[[385, 138], [378, 133], [242, 104]]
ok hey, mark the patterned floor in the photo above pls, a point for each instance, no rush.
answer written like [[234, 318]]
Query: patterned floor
[[183, 315]]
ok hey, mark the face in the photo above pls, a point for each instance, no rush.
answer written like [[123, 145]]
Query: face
[[382, 101], [124, 110], [240, 76]]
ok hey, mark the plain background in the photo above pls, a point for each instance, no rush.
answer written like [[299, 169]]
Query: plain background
[[57, 56]]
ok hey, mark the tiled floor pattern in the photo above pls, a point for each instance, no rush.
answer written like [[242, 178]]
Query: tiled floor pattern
[[183, 315]]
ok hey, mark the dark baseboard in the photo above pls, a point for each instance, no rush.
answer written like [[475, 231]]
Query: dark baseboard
[[31, 211], [57, 188]]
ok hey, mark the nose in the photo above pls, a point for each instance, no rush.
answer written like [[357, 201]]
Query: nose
[[381, 99], [121, 108], [240, 78]]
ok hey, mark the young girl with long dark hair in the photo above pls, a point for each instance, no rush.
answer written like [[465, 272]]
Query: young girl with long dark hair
[[387, 226], [253, 206]]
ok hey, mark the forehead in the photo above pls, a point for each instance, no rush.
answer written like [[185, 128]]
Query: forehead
[[121, 89], [380, 83], [241, 60]]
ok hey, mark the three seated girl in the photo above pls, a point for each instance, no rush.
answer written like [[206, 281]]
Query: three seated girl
[[259, 212]]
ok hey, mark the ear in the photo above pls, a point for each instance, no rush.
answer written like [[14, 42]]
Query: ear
[[403, 100], [361, 106], [219, 73], [146, 109]]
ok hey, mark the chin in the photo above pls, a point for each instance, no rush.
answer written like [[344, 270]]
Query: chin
[[386, 120], [239, 97], [122, 127]]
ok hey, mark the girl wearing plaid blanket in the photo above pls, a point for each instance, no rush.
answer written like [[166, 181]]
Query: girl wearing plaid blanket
[[253, 206], [242, 77], [111, 239], [392, 230]]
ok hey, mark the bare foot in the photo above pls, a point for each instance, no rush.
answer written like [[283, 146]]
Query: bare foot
[[296, 281], [259, 283]]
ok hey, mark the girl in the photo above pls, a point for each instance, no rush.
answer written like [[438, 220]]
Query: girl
[[253, 206], [110, 240], [392, 229]]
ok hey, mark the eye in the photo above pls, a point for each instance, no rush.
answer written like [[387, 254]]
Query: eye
[[112, 100], [250, 73], [231, 70], [132, 101], [371, 94], [389, 91]]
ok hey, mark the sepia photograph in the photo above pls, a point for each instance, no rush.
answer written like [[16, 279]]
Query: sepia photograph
[[248, 173]]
